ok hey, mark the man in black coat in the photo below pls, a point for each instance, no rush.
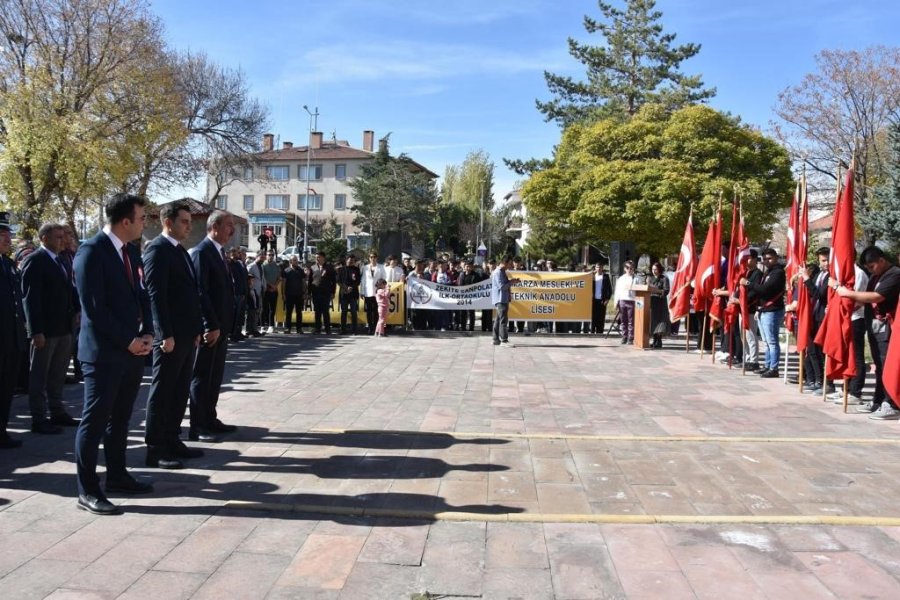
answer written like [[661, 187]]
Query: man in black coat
[[175, 300], [50, 311], [817, 286], [348, 282], [12, 333], [241, 290], [600, 298], [321, 288], [217, 287]]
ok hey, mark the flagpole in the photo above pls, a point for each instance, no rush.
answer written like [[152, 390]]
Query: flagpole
[[703, 335], [800, 376], [787, 354], [744, 343], [687, 333], [825, 380], [846, 391]]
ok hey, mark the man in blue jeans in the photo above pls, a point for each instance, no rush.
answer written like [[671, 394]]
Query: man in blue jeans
[[770, 295], [500, 284]]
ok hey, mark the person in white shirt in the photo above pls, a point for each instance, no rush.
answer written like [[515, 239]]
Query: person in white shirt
[[394, 272], [369, 276], [624, 299]]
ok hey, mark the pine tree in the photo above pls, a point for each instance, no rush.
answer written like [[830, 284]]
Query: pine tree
[[637, 64], [881, 218]]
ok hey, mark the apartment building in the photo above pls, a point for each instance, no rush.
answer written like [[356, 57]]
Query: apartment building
[[273, 193]]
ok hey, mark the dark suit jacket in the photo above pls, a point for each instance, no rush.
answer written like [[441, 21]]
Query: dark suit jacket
[[818, 296], [113, 312], [239, 274], [328, 282], [606, 293], [174, 290], [49, 298], [216, 285], [12, 316]]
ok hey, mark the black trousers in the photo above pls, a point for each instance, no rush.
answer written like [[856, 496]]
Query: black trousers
[[349, 304], [371, 306], [293, 304], [322, 310], [269, 304], [169, 392], [815, 358], [206, 380], [878, 345], [859, 351], [240, 314], [598, 315], [9, 375], [110, 390]]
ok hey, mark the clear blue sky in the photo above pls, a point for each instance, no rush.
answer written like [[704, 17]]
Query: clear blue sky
[[449, 77]]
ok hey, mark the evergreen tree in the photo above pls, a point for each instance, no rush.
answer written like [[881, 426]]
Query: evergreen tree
[[881, 220], [637, 64]]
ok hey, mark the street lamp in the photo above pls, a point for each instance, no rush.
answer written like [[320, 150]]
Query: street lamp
[[312, 115]]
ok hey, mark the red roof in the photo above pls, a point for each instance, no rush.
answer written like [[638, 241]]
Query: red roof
[[822, 223]]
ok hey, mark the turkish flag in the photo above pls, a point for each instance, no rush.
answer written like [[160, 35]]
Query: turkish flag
[[738, 253], [791, 267], [709, 267], [890, 376], [680, 297], [836, 332]]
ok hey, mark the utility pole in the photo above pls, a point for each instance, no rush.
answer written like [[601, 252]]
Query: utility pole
[[313, 124]]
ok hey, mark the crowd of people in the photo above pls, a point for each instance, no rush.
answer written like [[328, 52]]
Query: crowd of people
[[111, 307]]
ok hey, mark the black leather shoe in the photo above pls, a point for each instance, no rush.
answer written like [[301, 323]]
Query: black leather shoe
[[203, 436], [64, 420], [161, 461], [770, 375], [97, 506], [182, 451], [7, 443], [220, 427], [128, 486], [762, 372], [44, 426], [751, 367]]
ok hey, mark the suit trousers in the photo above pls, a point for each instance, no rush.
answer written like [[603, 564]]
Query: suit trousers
[[209, 369], [293, 304], [47, 376], [322, 309], [240, 314], [371, 306], [9, 375], [269, 306], [626, 313], [110, 390], [169, 393], [598, 316]]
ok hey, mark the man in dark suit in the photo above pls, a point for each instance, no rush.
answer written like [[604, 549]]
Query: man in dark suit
[[50, 311], [321, 284], [241, 290], [175, 300], [217, 287], [12, 332], [817, 286], [600, 298], [116, 335]]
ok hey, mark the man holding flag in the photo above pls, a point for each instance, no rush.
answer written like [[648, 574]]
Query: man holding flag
[[881, 298], [770, 294]]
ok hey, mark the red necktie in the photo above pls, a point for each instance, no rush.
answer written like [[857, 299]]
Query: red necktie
[[127, 262]]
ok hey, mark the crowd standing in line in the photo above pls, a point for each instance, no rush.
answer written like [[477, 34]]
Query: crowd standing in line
[[116, 307]]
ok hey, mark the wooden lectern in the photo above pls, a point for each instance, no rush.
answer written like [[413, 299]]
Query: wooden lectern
[[641, 315]]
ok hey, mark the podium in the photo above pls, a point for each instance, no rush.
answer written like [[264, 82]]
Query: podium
[[641, 316]]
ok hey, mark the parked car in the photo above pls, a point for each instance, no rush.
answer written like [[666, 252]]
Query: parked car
[[290, 251]]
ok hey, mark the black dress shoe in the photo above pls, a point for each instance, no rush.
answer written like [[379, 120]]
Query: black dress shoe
[[64, 420], [203, 436], [97, 506], [7, 443], [762, 372], [44, 426], [770, 375], [182, 451], [128, 486], [161, 461], [220, 427]]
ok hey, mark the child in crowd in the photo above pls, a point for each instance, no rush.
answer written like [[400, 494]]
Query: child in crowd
[[383, 299]]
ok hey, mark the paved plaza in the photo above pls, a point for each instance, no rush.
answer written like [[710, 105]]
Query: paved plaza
[[439, 466]]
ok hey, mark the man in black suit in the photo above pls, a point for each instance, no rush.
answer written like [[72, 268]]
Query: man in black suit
[[12, 332], [217, 287], [116, 336], [175, 300], [50, 311], [241, 290], [321, 286], [817, 286], [600, 298]]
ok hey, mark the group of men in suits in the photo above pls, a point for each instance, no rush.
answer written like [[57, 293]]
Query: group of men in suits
[[171, 304]]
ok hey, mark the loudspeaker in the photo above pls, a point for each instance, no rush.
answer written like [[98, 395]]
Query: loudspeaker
[[618, 254]]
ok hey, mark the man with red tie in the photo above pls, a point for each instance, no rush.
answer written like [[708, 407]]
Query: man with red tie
[[116, 336]]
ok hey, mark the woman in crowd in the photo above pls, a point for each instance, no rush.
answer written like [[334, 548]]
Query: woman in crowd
[[659, 304]]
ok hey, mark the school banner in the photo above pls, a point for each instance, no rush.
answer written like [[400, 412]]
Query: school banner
[[396, 309], [425, 295], [542, 296]]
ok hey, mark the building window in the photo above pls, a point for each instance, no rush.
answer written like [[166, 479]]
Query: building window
[[277, 201], [248, 173], [248, 202], [339, 231], [340, 172], [245, 237], [314, 204], [315, 172], [281, 173], [258, 228], [340, 201], [222, 202]]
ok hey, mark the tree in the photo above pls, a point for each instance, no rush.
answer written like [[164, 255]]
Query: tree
[[882, 219], [635, 63], [328, 242], [467, 195], [61, 61], [843, 110], [637, 180], [394, 195]]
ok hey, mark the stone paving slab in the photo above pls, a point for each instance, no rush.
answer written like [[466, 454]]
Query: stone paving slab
[[514, 442]]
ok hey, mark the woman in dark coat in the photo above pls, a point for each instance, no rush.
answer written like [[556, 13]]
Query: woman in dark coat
[[659, 304]]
